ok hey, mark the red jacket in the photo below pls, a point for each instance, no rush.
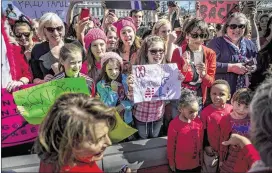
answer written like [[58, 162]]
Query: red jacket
[[184, 143], [18, 65], [211, 118], [210, 62]]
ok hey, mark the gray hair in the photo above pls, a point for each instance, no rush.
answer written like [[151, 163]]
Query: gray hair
[[236, 15], [49, 18]]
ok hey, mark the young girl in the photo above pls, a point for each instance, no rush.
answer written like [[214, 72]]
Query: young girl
[[185, 135], [74, 134], [95, 44], [237, 121], [149, 115], [112, 39], [111, 85], [211, 116], [71, 56]]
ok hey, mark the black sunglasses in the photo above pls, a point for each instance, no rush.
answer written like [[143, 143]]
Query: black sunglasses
[[234, 26], [51, 29], [196, 35], [19, 35], [154, 51]]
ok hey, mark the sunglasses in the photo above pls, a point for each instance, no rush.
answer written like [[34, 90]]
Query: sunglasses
[[234, 26], [19, 35], [51, 29], [154, 51], [196, 35]]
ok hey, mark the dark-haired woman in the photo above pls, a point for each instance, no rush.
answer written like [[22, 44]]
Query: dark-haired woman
[[267, 35]]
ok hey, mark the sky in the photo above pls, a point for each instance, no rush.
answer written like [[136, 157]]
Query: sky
[[185, 4]]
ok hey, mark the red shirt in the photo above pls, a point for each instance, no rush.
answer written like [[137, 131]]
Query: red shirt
[[211, 118], [184, 144]]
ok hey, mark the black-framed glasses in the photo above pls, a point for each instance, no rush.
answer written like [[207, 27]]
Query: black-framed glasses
[[19, 35], [52, 29], [234, 26], [196, 35], [155, 51]]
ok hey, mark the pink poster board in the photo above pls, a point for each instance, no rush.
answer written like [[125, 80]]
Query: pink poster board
[[15, 130]]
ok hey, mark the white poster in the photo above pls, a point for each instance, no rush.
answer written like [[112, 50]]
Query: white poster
[[156, 82]]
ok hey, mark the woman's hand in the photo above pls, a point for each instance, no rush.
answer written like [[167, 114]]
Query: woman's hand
[[201, 69], [13, 84], [236, 139], [48, 77], [172, 37], [81, 26], [187, 59], [237, 68]]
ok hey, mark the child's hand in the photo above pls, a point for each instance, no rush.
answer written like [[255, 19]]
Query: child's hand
[[173, 168], [209, 151], [114, 85]]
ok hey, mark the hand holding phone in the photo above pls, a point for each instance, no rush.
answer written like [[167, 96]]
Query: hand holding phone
[[85, 12], [123, 169]]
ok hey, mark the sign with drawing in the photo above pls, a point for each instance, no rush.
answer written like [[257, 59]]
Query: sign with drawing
[[156, 82]]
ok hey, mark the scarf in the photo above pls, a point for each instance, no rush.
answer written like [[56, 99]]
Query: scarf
[[241, 53]]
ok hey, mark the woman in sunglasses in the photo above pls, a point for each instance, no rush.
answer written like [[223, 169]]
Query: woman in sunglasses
[[195, 61], [45, 56], [234, 52]]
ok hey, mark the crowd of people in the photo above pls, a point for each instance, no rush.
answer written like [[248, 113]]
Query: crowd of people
[[226, 94]]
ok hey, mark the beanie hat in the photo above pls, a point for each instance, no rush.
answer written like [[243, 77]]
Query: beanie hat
[[113, 55], [92, 35], [120, 24]]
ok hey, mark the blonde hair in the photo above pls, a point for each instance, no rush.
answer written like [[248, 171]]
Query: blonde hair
[[143, 51], [236, 15], [49, 18], [158, 25], [67, 124]]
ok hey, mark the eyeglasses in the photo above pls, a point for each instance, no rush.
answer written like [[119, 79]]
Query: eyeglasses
[[196, 35], [19, 35], [154, 51], [51, 29], [234, 26]]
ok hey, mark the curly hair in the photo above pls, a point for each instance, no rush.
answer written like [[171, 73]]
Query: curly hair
[[67, 124], [222, 82], [261, 118], [187, 97]]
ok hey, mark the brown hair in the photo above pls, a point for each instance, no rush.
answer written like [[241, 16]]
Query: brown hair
[[222, 82], [142, 58], [104, 76], [67, 124], [197, 23], [243, 96]]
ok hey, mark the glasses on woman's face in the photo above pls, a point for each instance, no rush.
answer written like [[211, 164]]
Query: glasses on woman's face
[[196, 35], [51, 29], [155, 51], [19, 35], [234, 26]]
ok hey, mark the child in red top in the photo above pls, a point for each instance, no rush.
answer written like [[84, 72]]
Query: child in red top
[[237, 121], [185, 136], [212, 114], [74, 134]]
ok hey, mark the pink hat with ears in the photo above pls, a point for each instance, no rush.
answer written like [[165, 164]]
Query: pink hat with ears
[[120, 24], [113, 55]]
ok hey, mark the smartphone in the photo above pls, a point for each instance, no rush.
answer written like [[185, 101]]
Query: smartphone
[[123, 169], [251, 62], [112, 11], [85, 12]]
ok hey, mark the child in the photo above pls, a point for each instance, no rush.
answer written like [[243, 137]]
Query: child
[[74, 134], [70, 64], [110, 85], [112, 39], [185, 135], [149, 115], [237, 121], [211, 116]]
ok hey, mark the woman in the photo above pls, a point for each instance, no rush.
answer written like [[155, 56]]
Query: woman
[[162, 28], [233, 50], [268, 34], [112, 38], [195, 61], [45, 56], [263, 24]]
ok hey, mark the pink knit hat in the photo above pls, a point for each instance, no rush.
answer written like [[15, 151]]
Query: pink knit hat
[[113, 55], [92, 35], [120, 24]]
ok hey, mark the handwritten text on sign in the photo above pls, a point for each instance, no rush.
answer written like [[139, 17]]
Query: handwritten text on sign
[[216, 11], [156, 82], [38, 99], [15, 129], [35, 9]]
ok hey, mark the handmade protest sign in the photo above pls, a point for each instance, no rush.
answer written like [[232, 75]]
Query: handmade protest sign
[[15, 130], [156, 82], [35, 9], [217, 11], [139, 5], [121, 130], [37, 100]]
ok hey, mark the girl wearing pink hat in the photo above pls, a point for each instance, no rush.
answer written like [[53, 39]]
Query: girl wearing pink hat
[[128, 43]]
